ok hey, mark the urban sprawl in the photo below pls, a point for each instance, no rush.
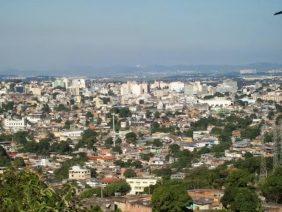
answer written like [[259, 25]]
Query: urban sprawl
[[144, 146]]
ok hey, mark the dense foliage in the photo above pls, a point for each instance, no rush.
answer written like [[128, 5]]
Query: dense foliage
[[171, 197], [23, 191], [272, 186]]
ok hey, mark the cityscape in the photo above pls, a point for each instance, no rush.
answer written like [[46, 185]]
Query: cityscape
[[139, 137]]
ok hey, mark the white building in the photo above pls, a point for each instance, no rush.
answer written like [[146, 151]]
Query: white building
[[72, 134], [15, 124], [34, 90], [79, 173], [176, 86], [228, 85], [133, 88], [139, 184], [216, 102], [78, 83], [59, 83]]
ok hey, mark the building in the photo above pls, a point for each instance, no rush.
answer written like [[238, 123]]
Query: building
[[134, 203], [79, 173], [139, 184], [34, 90], [59, 83], [275, 96], [178, 176], [216, 102], [133, 88], [206, 199], [176, 86], [19, 89], [228, 85], [15, 124], [72, 134]]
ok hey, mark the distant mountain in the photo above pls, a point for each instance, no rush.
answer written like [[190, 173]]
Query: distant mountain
[[139, 70]]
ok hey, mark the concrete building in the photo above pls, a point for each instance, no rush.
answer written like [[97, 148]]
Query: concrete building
[[59, 83], [176, 86], [228, 85], [133, 88], [79, 173], [217, 102], [15, 124], [139, 184]]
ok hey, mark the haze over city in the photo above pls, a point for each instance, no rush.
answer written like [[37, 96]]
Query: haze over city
[[50, 36]]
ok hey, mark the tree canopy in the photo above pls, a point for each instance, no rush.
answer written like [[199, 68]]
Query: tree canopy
[[170, 197]]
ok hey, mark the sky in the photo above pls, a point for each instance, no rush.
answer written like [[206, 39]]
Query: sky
[[61, 34]]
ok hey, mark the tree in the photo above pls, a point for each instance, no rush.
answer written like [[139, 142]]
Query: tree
[[278, 119], [117, 149], [250, 132], [20, 137], [157, 114], [147, 156], [239, 178], [155, 126], [5, 160], [184, 159], [270, 115], [95, 208], [268, 137], [157, 143], [170, 197], [109, 142], [272, 186], [46, 108], [163, 172], [117, 187], [241, 199], [174, 149], [61, 107], [216, 131], [122, 111], [19, 162], [131, 137], [129, 173], [188, 133], [41, 148], [89, 115], [67, 124], [23, 191], [88, 139], [62, 147]]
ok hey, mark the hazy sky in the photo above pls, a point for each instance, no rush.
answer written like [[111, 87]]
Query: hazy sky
[[59, 34]]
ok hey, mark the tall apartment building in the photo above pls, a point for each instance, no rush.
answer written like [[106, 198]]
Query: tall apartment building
[[134, 88]]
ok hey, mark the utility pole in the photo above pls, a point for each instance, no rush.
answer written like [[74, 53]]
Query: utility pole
[[277, 151], [263, 169], [114, 130]]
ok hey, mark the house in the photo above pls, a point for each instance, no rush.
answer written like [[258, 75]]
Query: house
[[137, 204], [206, 199], [177, 176]]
